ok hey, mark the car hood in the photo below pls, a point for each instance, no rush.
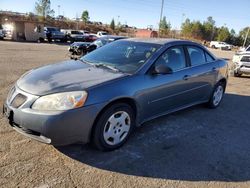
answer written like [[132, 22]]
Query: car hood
[[243, 53], [65, 76], [80, 44]]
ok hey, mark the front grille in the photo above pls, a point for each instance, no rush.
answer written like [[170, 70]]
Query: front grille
[[245, 59], [18, 100]]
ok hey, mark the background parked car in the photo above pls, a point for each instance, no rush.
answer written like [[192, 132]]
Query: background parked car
[[53, 33], [220, 45], [74, 35], [1, 32], [91, 38], [101, 33], [78, 49], [241, 62]]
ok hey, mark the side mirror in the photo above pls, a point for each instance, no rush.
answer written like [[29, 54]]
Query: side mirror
[[162, 69]]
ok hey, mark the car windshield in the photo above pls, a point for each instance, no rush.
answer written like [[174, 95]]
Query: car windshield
[[53, 29], [76, 33], [126, 56], [100, 42]]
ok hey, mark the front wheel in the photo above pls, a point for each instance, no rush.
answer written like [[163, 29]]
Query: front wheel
[[113, 127], [217, 95]]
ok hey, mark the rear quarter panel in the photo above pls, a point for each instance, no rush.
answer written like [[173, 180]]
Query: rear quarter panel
[[223, 70]]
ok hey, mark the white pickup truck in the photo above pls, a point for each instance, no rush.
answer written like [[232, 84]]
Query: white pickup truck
[[101, 33], [241, 62], [220, 45]]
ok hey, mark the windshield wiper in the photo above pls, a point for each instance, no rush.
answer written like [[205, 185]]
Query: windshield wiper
[[107, 66], [101, 65]]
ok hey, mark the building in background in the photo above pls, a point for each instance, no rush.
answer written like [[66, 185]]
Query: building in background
[[22, 27], [146, 33]]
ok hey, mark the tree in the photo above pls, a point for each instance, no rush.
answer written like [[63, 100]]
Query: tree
[[186, 28], [232, 32], [192, 29], [223, 34], [164, 26], [112, 24], [85, 16], [209, 28], [243, 34], [42, 8], [197, 30]]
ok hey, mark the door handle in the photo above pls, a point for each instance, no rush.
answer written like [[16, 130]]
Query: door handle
[[186, 77]]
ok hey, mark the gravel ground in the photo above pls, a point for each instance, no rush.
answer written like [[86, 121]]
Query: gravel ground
[[197, 147]]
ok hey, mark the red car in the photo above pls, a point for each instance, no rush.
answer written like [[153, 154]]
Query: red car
[[91, 38]]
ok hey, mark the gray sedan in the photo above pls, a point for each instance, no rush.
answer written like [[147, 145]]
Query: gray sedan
[[103, 96]]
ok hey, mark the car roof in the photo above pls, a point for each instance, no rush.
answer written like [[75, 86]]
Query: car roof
[[161, 41], [112, 37]]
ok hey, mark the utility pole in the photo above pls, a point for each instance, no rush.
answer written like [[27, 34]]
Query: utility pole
[[58, 6], [162, 5], [246, 37], [77, 21]]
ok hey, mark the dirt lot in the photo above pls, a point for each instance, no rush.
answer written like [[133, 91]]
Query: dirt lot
[[197, 147]]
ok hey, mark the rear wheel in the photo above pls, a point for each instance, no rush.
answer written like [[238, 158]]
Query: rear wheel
[[217, 95], [40, 40], [236, 74], [114, 127]]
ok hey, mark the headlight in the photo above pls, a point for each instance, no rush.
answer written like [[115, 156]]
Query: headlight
[[61, 101]]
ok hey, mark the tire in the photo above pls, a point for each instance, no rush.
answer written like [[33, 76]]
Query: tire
[[217, 95], [40, 40], [237, 74], [111, 132], [63, 40]]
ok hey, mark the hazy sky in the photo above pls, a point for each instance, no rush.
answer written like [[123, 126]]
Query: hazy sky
[[141, 13]]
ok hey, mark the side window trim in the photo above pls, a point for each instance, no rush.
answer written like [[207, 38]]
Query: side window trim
[[207, 54], [186, 60], [189, 58]]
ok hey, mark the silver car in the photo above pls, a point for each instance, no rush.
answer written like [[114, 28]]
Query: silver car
[[241, 63], [103, 96]]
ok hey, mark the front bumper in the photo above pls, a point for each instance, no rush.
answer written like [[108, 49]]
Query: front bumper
[[242, 67], [55, 127]]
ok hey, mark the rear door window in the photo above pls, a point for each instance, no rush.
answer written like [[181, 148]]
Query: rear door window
[[209, 58], [197, 55]]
